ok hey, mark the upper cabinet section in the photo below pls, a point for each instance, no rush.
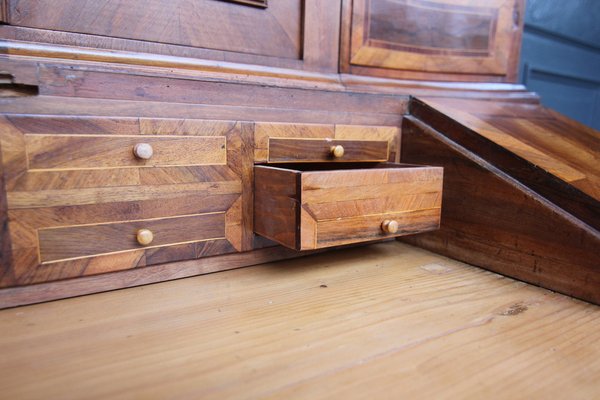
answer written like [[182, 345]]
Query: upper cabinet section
[[245, 31], [458, 40], [434, 40]]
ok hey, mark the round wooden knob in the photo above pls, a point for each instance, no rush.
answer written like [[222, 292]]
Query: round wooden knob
[[144, 237], [337, 151], [143, 151], [389, 226]]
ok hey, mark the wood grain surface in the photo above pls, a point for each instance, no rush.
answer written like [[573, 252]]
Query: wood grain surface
[[491, 220], [71, 242], [274, 31], [443, 40], [66, 152], [383, 321], [311, 206], [264, 131], [76, 194], [276, 204], [22, 60], [194, 259], [283, 150], [303, 35], [549, 153]]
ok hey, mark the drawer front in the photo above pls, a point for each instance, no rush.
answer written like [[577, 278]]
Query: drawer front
[[273, 29], [77, 193], [113, 151], [366, 227], [276, 142], [318, 150], [304, 208], [71, 242]]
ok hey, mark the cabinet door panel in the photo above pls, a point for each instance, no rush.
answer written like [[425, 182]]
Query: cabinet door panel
[[436, 36], [273, 31]]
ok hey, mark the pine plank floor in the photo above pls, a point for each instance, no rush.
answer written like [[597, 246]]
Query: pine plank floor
[[384, 321]]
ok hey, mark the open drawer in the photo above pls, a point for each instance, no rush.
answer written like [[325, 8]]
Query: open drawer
[[311, 206]]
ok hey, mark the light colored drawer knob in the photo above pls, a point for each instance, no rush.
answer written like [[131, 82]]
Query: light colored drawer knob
[[337, 151], [143, 151], [144, 237], [389, 226]]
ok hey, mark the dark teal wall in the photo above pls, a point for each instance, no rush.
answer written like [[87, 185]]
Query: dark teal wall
[[560, 57]]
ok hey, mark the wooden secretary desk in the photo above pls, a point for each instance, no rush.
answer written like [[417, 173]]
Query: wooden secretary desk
[[144, 141]]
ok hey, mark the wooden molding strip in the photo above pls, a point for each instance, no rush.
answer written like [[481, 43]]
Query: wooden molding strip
[[36, 52], [30, 294], [155, 60]]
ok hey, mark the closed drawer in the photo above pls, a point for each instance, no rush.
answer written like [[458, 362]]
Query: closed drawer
[[311, 206], [276, 142], [72, 242], [115, 151], [317, 150]]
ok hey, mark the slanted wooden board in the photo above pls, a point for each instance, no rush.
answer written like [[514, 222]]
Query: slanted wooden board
[[493, 220], [547, 152]]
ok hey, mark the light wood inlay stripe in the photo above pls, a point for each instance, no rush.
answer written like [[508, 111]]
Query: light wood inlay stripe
[[53, 198]]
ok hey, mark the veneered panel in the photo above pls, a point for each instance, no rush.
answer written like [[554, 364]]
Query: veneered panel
[[88, 240], [492, 220], [76, 194], [310, 206], [274, 31], [111, 151], [549, 153], [368, 227], [430, 27], [433, 39], [320, 150]]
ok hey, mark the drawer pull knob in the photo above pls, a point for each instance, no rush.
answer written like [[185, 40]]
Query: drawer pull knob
[[144, 237], [337, 151], [143, 151], [389, 226]]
